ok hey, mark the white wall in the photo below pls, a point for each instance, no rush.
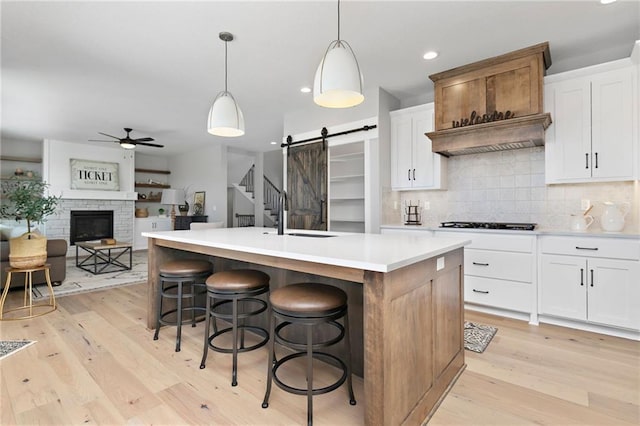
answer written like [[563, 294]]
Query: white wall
[[272, 163], [56, 169], [313, 116], [204, 169]]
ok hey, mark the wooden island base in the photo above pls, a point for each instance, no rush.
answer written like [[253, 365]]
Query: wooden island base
[[407, 324]]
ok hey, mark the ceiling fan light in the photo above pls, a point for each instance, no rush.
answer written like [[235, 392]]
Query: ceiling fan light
[[127, 145], [338, 81], [225, 117]]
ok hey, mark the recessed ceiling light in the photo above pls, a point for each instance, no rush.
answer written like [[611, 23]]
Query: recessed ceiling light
[[607, 1], [274, 143], [306, 90], [430, 55]]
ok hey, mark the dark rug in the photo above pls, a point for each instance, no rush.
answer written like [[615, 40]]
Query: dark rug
[[477, 336], [8, 347]]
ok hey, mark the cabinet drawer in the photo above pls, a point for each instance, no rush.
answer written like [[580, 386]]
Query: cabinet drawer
[[500, 265], [489, 241], [500, 294], [616, 248]]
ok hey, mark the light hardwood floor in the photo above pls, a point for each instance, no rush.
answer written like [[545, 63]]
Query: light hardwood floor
[[95, 363]]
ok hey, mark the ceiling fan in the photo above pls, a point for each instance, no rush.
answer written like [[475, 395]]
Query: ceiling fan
[[127, 142]]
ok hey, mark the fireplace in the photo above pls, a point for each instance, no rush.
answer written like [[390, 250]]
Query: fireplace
[[89, 225]]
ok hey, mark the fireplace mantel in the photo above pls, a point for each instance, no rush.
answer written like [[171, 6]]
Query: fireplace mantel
[[77, 194]]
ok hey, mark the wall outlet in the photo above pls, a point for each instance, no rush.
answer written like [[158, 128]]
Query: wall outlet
[[214, 208], [426, 205], [585, 204]]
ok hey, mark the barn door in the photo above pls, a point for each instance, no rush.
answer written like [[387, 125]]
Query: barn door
[[307, 187]]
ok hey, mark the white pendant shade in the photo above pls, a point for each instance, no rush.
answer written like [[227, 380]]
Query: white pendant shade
[[225, 117], [338, 81]]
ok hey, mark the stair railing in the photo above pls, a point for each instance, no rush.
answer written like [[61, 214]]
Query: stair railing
[[270, 195], [247, 180], [245, 220]]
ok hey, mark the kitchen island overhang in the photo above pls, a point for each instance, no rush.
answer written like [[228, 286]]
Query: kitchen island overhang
[[409, 289]]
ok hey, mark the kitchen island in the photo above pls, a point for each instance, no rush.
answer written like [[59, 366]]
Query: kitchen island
[[408, 288]]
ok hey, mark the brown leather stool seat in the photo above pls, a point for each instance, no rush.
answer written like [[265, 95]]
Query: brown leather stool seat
[[307, 306], [239, 289], [179, 280]]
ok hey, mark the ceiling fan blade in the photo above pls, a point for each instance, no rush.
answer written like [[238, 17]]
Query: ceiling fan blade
[[149, 144], [144, 140], [104, 134], [100, 140]]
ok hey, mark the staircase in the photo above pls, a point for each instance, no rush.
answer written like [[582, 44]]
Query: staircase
[[270, 193]]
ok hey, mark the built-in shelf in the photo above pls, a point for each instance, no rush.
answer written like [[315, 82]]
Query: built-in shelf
[[347, 199], [347, 157], [160, 172], [20, 159], [348, 220], [18, 178], [346, 177], [152, 185]]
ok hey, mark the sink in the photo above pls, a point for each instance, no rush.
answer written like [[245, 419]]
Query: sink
[[299, 234], [302, 234]]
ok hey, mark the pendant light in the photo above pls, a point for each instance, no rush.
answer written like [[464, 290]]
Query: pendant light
[[338, 81], [225, 116]]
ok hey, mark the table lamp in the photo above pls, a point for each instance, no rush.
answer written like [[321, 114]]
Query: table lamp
[[173, 197]]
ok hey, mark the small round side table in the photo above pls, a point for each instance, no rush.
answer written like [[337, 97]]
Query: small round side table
[[49, 306]]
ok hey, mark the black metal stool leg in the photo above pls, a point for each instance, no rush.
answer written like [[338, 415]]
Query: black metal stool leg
[[347, 350], [207, 320], [272, 340], [193, 303], [309, 375], [234, 324], [179, 317], [158, 309]]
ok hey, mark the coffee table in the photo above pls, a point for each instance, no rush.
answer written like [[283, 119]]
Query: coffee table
[[104, 258]]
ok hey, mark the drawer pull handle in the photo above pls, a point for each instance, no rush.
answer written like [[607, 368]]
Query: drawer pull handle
[[586, 248], [480, 264], [480, 291], [581, 276]]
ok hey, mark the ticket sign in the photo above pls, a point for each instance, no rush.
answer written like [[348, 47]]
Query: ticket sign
[[94, 175]]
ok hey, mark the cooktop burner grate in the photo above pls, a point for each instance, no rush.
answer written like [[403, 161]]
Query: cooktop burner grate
[[490, 225]]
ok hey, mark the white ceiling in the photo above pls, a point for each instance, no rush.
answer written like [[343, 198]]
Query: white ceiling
[[72, 69]]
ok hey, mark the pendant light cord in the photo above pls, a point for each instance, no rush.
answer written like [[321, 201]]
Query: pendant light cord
[[338, 21], [225, 65]]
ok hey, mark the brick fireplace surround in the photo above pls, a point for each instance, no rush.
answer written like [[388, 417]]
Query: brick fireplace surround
[[58, 225]]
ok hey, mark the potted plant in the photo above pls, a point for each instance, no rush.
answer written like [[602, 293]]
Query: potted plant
[[161, 212], [27, 201]]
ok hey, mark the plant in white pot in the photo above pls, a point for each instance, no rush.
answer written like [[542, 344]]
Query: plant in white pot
[[26, 200]]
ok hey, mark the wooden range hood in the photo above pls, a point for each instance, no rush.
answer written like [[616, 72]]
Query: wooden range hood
[[510, 82]]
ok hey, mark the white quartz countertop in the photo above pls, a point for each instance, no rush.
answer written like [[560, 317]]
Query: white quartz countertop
[[373, 252], [628, 232]]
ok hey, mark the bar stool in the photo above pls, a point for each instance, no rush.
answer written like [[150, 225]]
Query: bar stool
[[239, 286], [174, 276], [309, 305], [49, 306]]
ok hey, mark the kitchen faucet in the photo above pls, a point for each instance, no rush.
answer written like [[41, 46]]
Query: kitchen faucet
[[282, 206]]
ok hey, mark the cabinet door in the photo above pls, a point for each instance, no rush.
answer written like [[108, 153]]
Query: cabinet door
[[563, 284], [614, 292], [401, 141], [141, 225], [423, 156], [162, 224], [568, 147], [612, 127]]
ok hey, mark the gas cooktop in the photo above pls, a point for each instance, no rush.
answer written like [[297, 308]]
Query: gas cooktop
[[490, 225]]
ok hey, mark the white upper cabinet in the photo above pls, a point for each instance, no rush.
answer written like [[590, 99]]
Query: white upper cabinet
[[593, 136], [413, 164]]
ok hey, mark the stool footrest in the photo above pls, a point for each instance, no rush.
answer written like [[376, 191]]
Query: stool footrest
[[304, 391], [258, 330]]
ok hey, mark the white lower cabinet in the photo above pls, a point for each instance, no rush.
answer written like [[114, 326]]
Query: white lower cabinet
[[499, 270], [579, 280], [148, 224]]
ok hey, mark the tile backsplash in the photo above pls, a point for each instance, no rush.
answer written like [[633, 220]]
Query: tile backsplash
[[508, 186]]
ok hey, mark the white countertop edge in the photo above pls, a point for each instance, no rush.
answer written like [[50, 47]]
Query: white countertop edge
[[539, 231], [446, 245]]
